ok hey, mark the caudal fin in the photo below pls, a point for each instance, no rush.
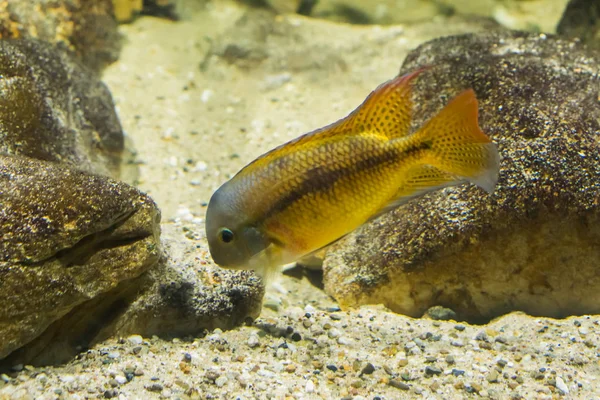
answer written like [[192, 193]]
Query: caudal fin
[[458, 146]]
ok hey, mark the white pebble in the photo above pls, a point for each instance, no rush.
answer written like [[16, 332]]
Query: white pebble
[[71, 378], [561, 385], [206, 95], [309, 309], [253, 341], [120, 379], [334, 333], [200, 166], [310, 386], [344, 340], [265, 373], [221, 381], [114, 354], [135, 339]]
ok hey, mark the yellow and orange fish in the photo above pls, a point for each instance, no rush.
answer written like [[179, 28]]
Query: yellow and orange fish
[[311, 191]]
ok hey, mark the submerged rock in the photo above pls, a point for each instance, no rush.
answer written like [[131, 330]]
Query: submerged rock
[[53, 109], [186, 294], [80, 253], [534, 244], [67, 238], [581, 19], [87, 28]]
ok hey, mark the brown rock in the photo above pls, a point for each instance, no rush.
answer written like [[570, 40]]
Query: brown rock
[[87, 28], [533, 244]]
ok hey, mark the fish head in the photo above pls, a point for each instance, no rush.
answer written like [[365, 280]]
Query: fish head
[[234, 241]]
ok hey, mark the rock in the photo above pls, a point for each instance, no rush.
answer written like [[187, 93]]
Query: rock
[[53, 109], [439, 313], [535, 15], [87, 28], [533, 244], [69, 239], [183, 298], [581, 19]]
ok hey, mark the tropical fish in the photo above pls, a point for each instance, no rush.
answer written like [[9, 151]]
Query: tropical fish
[[317, 188]]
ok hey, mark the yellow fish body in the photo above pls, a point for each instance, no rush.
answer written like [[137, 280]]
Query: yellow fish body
[[311, 191]]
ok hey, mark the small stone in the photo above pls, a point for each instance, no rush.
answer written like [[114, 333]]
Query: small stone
[[502, 363], [307, 323], [334, 333], [561, 385], [253, 341], [331, 367], [431, 370], [399, 384], [109, 394], [457, 372], [430, 359], [113, 355], [221, 381], [459, 327], [450, 359], [368, 369], [501, 339], [187, 357], [457, 343], [492, 377], [155, 387], [310, 386], [335, 317], [290, 368], [135, 340], [403, 362]]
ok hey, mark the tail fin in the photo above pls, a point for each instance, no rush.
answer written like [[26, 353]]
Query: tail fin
[[458, 146]]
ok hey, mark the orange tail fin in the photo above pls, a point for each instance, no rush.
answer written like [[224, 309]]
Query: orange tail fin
[[458, 146]]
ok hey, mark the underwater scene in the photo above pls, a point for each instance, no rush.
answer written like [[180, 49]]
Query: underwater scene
[[299, 199]]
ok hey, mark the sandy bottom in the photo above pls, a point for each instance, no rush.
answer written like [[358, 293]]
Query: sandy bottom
[[194, 121]]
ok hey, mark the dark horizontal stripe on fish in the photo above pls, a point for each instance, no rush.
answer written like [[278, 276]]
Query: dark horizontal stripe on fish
[[320, 180]]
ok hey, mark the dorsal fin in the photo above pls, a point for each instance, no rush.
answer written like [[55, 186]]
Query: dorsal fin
[[387, 111]]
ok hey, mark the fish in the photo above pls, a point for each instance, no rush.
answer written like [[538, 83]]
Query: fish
[[304, 195]]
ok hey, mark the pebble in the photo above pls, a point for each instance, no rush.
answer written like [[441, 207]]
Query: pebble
[[457, 343], [457, 372], [135, 340], [310, 386], [492, 377], [561, 385], [253, 341], [459, 327], [221, 381], [113, 355], [334, 333], [368, 369], [431, 370], [399, 384]]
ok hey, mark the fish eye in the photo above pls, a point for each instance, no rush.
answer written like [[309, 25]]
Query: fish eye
[[226, 235]]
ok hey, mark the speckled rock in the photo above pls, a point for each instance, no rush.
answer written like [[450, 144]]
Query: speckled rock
[[53, 109], [581, 19], [67, 237], [87, 28], [534, 245], [187, 293]]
